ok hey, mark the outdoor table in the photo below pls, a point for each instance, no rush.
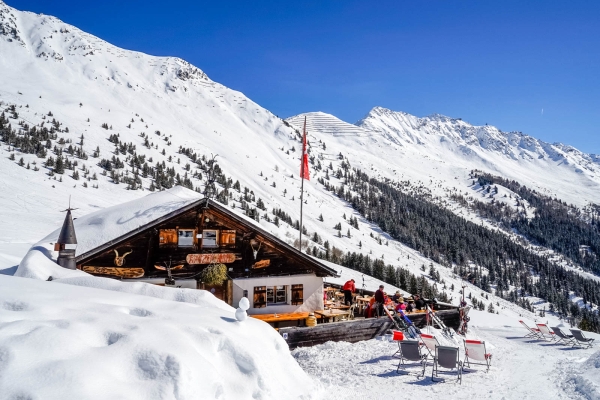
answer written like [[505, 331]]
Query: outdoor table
[[330, 314], [274, 319], [362, 302], [340, 307]]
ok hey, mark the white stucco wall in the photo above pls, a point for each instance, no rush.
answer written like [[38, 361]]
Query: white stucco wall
[[312, 292]]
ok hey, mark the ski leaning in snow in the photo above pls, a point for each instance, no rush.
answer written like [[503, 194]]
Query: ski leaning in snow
[[411, 330], [433, 319]]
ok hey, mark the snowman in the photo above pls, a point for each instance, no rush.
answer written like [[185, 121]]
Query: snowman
[[240, 313]]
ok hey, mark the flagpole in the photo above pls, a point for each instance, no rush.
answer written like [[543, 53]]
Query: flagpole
[[302, 180], [301, 202]]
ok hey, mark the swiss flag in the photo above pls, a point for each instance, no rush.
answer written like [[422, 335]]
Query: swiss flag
[[304, 166]]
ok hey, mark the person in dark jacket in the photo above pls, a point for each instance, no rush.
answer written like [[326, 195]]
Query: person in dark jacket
[[379, 300], [348, 288], [419, 303]]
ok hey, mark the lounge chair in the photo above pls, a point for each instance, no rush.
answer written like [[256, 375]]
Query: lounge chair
[[410, 350], [397, 336], [546, 332], [475, 350], [446, 357], [580, 339], [562, 337], [534, 333], [430, 342]]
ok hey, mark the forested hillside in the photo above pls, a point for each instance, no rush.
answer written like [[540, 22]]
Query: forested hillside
[[566, 229], [490, 260]]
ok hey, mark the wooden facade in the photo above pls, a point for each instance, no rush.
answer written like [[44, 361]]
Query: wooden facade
[[194, 237]]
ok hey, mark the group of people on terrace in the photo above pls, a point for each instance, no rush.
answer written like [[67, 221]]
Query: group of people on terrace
[[376, 304]]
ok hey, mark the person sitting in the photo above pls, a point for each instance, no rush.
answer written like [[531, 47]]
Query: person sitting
[[387, 300], [419, 302], [400, 305], [397, 296], [369, 309], [410, 306]]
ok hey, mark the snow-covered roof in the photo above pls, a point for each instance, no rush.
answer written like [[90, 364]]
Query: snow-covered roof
[[108, 224], [102, 228], [371, 284]]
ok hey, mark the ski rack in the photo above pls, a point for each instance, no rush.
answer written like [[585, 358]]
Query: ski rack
[[464, 320]]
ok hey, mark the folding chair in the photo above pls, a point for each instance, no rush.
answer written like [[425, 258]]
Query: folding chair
[[533, 332], [352, 311], [430, 343], [397, 336], [562, 337], [446, 357], [546, 333], [410, 350], [581, 341], [475, 350]]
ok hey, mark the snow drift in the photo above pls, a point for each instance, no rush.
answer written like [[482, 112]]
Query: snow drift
[[62, 341]]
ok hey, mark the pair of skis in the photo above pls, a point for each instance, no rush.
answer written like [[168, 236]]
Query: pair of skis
[[404, 324], [434, 319]]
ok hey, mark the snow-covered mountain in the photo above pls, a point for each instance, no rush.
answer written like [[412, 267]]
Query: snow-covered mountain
[[555, 169], [87, 91], [162, 108]]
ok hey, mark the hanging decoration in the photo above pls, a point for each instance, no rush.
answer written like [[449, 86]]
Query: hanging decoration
[[120, 261], [214, 274], [255, 251]]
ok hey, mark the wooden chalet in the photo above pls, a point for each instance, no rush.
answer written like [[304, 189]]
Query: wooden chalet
[[177, 232]]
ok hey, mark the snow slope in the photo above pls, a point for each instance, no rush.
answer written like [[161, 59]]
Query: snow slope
[[46, 63]]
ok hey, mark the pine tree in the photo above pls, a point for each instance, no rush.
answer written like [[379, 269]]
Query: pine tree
[[59, 166]]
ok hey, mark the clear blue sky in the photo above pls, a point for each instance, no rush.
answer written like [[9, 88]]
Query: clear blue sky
[[496, 62]]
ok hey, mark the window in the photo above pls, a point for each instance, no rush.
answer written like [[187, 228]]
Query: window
[[167, 237], [297, 294], [260, 299], [227, 238], [210, 238], [186, 238], [276, 295]]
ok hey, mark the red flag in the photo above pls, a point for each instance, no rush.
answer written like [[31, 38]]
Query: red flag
[[304, 166]]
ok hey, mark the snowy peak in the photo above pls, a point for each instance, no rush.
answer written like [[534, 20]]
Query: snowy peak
[[405, 129], [49, 39], [326, 124]]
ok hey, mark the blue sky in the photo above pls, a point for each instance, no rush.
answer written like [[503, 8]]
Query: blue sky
[[496, 62]]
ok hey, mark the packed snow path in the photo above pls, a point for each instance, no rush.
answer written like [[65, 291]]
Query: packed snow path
[[521, 368]]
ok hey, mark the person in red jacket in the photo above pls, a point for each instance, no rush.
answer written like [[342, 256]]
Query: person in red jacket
[[348, 289]]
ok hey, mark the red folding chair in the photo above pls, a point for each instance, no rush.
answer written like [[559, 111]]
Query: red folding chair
[[475, 350]]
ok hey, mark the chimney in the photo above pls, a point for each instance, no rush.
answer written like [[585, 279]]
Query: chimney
[[67, 243]]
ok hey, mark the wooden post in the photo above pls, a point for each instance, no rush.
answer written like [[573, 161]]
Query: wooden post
[[229, 292]]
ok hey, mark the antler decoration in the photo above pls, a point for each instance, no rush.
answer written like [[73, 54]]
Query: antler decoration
[[119, 261]]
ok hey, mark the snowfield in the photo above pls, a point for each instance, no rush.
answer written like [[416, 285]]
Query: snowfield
[[60, 341], [521, 368], [85, 337]]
